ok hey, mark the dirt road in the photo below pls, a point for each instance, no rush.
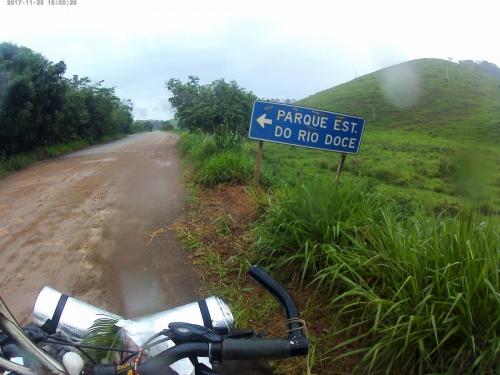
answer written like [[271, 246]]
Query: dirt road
[[82, 224]]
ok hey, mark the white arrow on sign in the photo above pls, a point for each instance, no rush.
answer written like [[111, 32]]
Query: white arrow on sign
[[262, 120]]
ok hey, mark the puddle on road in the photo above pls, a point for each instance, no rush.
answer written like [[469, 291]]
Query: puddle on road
[[163, 163], [105, 160]]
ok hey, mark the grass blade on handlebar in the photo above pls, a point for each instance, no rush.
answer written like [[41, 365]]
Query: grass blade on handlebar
[[104, 333]]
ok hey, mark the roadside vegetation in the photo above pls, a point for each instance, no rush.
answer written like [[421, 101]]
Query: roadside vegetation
[[219, 158], [397, 266], [413, 292], [44, 114], [22, 160]]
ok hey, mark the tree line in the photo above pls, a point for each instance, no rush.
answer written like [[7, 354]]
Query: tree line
[[41, 107]]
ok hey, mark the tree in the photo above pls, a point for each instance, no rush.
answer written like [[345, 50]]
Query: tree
[[217, 106]]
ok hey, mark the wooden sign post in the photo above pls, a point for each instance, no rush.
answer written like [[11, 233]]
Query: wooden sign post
[[258, 161], [339, 168]]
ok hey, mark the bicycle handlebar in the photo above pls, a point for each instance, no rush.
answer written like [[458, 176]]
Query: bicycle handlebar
[[216, 348], [276, 289], [256, 348], [241, 349], [245, 348], [296, 327]]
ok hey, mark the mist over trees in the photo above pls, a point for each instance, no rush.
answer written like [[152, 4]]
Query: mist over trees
[[142, 126], [219, 105], [40, 107]]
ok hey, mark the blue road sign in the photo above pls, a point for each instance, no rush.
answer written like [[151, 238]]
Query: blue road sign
[[306, 127]]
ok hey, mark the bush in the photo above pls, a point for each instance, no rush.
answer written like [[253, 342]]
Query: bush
[[225, 167], [17, 162]]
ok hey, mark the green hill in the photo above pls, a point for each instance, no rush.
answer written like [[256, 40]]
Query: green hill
[[428, 139], [425, 94]]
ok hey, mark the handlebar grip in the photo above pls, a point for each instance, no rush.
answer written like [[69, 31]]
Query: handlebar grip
[[255, 349]]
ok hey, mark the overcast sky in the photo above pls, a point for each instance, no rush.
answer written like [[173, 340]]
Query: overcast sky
[[277, 49]]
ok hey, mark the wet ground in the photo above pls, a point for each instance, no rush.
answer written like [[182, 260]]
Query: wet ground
[[90, 224]]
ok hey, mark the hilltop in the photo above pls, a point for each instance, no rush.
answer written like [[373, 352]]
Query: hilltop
[[431, 95]]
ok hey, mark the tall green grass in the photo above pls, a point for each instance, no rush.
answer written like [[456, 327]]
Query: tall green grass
[[217, 158], [413, 294], [422, 295], [225, 167], [198, 147], [302, 219]]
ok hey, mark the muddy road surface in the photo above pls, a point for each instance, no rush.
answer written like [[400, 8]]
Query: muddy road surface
[[93, 224]]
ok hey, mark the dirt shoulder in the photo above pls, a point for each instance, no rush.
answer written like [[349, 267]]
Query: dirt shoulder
[[218, 232]]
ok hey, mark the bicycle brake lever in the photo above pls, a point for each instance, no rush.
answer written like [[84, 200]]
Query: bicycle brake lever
[[240, 334], [185, 332], [202, 369]]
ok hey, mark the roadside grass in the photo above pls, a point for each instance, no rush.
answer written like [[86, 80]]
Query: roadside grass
[[404, 251], [417, 291], [301, 219], [198, 147], [225, 167], [424, 291], [398, 264], [20, 161], [218, 158]]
